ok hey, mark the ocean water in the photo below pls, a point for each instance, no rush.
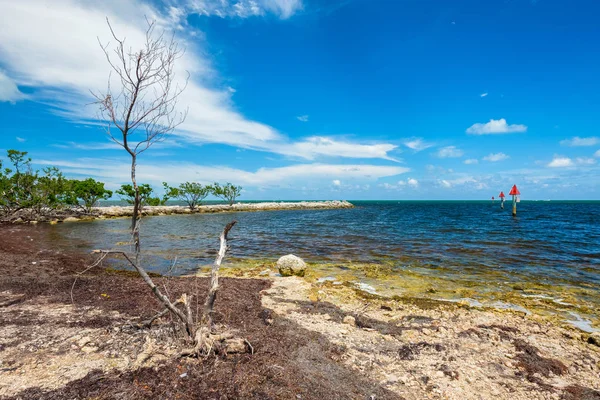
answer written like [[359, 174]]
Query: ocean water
[[548, 254]]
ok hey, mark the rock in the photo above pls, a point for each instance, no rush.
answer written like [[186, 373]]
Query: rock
[[291, 265], [349, 320], [83, 341], [70, 219], [594, 339], [89, 349]]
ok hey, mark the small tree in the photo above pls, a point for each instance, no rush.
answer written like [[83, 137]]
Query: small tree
[[228, 192], [192, 193], [145, 191], [89, 192]]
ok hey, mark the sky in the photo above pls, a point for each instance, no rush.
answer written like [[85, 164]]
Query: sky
[[323, 99]]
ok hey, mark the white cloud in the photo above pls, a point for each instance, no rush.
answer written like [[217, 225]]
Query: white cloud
[[585, 161], [52, 48], [155, 173], [495, 157], [20, 139], [483, 94], [461, 180], [412, 182], [417, 144], [597, 153], [302, 118], [315, 146], [560, 162], [337, 182], [402, 183], [450, 152], [579, 141], [471, 161], [8, 89], [231, 90], [495, 127], [244, 8]]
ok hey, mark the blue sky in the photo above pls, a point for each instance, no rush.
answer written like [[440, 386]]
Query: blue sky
[[315, 99]]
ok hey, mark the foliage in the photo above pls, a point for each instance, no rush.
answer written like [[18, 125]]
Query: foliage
[[228, 192], [192, 193], [127, 193], [89, 192], [42, 192]]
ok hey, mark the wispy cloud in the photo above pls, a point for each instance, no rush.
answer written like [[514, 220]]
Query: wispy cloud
[[483, 94], [597, 153], [117, 171], [417, 144], [471, 161], [315, 146], [495, 126], [336, 182], [46, 46], [580, 142], [8, 89], [243, 8], [449, 152], [20, 139], [495, 157], [585, 161], [302, 118], [410, 182], [449, 183]]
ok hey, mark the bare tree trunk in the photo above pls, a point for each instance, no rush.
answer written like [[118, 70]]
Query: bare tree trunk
[[205, 339], [135, 219], [214, 278]]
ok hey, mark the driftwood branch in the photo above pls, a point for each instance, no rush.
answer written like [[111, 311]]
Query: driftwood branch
[[205, 339], [214, 278]]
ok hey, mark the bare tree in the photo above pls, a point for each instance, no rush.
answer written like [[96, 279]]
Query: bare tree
[[144, 108], [138, 115]]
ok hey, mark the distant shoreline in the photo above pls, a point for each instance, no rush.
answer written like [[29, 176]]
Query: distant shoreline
[[127, 211]]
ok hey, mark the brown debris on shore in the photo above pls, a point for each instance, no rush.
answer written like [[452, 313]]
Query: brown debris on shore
[[53, 349]]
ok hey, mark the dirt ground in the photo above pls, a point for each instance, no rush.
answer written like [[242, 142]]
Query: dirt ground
[[310, 341]]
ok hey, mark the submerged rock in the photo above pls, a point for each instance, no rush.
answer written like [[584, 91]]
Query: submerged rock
[[291, 265]]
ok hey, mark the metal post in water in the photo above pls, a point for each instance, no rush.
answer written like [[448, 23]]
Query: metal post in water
[[502, 200], [514, 192]]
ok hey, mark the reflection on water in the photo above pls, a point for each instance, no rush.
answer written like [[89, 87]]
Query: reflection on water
[[554, 244]]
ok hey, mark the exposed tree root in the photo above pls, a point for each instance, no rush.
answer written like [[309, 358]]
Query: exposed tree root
[[224, 343]]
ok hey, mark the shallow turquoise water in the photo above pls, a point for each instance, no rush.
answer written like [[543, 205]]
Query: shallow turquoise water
[[554, 243]]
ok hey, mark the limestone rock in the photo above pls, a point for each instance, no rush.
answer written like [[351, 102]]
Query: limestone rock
[[291, 265], [349, 320], [594, 339]]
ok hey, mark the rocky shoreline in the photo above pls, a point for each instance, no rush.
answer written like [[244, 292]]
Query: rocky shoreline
[[120, 211], [77, 214]]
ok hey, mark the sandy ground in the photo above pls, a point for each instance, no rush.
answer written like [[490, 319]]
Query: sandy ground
[[433, 350]]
